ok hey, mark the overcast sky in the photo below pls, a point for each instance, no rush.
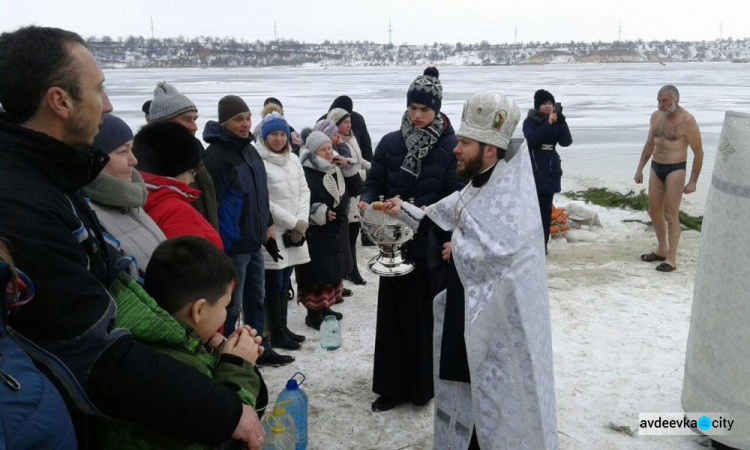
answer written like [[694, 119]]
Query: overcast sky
[[413, 21]]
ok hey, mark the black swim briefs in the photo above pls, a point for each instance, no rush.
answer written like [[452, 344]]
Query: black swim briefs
[[662, 170]]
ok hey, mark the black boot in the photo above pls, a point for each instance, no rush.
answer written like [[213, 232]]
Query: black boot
[[330, 312], [279, 339], [313, 319], [354, 276], [271, 358], [287, 331]]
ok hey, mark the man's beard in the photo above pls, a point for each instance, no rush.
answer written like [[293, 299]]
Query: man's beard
[[472, 167], [79, 131], [669, 111]]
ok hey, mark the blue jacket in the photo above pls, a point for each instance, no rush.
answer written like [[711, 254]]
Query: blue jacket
[[241, 189], [542, 138], [437, 179], [32, 413]]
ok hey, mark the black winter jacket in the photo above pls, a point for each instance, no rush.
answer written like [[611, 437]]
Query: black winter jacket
[[241, 189], [437, 178], [541, 137], [330, 255], [57, 240]]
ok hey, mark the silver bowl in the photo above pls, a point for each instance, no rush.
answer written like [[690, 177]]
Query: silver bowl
[[389, 234]]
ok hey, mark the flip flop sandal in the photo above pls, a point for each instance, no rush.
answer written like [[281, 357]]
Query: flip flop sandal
[[651, 257], [665, 267]]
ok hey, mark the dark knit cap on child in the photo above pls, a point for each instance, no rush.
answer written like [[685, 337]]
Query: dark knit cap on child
[[230, 106], [426, 90], [113, 134], [541, 97]]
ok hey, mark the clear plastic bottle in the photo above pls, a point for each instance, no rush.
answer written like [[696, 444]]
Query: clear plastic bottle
[[278, 416], [297, 409], [330, 334], [278, 436]]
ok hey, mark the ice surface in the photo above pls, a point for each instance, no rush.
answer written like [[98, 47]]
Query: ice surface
[[607, 105]]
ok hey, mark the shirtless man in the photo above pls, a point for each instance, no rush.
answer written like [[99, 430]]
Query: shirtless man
[[672, 129]]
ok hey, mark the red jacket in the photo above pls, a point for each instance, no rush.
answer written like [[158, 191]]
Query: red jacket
[[168, 204]]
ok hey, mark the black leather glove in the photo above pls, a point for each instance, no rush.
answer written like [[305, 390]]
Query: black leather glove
[[273, 249], [561, 119]]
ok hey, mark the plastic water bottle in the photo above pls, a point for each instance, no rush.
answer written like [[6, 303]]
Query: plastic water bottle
[[279, 428], [297, 408], [330, 334]]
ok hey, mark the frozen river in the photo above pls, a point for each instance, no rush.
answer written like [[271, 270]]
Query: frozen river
[[607, 105]]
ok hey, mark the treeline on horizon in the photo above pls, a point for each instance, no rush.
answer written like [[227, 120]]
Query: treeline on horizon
[[234, 42], [208, 51]]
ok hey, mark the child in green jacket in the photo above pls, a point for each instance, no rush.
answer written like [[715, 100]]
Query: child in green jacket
[[179, 311]]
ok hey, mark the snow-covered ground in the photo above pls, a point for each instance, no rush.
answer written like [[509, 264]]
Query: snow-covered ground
[[619, 327], [619, 332]]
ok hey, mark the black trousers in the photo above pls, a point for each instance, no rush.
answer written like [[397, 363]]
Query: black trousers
[[403, 337], [353, 233], [545, 209]]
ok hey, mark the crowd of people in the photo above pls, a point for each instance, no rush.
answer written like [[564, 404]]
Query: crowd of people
[[149, 252]]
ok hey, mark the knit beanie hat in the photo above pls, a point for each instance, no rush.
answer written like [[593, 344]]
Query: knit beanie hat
[[274, 122], [315, 140], [113, 134], [426, 90], [273, 100], [327, 127], [230, 106], [541, 96], [168, 103], [166, 149], [337, 115]]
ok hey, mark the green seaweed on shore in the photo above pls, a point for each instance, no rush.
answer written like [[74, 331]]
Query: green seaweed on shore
[[638, 202], [624, 429]]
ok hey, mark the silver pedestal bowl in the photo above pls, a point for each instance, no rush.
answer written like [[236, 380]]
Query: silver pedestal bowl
[[389, 234]]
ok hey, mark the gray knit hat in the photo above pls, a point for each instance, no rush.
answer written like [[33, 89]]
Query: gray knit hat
[[326, 126], [113, 134], [315, 140], [337, 115], [168, 103]]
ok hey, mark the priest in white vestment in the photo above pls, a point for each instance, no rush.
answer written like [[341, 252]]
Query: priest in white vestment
[[507, 398], [717, 364]]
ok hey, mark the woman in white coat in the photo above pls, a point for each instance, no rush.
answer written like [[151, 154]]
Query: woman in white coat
[[290, 207]]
